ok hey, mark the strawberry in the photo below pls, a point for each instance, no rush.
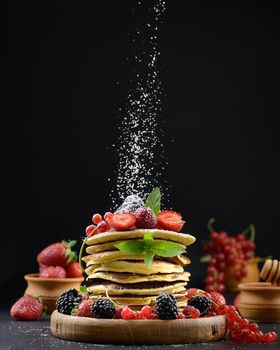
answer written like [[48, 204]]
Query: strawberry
[[53, 272], [84, 309], [57, 254], [170, 220], [42, 268], [122, 221], [218, 300], [27, 308], [191, 292], [73, 270]]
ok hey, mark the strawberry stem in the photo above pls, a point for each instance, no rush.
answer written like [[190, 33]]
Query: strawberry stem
[[72, 256], [209, 225]]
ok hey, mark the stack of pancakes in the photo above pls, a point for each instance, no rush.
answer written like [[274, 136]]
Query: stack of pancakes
[[125, 278]]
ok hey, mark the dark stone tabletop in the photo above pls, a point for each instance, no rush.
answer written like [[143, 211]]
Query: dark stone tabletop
[[36, 335]]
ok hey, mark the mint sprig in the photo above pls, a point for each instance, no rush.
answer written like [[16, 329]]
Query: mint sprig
[[153, 200], [149, 247]]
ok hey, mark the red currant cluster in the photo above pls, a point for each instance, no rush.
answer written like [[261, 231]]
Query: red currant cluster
[[224, 250], [240, 328], [99, 224]]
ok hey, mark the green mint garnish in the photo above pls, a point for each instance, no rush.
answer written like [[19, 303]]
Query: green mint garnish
[[149, 247], [83, 289], [153, 200]]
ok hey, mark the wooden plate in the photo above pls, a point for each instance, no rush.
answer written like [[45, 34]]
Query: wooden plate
[[138, 331]]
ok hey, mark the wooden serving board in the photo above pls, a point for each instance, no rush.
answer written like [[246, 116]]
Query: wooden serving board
[[138, 331]]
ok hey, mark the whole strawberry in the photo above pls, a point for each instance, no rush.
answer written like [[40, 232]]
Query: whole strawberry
[[73, 270], [53, 272], [27, 308], [84, 309], [57, 254], [145, 218]]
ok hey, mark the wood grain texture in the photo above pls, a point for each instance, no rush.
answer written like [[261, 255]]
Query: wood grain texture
[[138, 331]]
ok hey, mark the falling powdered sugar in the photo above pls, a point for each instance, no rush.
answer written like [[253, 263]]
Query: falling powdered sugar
[[139, 151]]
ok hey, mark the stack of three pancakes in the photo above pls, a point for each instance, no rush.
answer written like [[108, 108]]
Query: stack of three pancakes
[[125, 278]]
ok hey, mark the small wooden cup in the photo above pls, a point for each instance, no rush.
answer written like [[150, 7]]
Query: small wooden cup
[[260, 302], [49, 289], [253, 275]]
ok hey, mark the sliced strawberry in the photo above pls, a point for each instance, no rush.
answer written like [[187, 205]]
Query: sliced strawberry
[[170, 220], [218, 300], [27, 308], [122, 221]]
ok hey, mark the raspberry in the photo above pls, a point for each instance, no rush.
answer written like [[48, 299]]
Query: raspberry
[[127, 313], [146, 312], [84, 309], [145, 218], [191, 312], [53, 272], [181, 316]]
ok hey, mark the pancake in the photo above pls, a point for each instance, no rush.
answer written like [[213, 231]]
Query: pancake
[[114, 255], [109, 236], [97, 248], [139, 267], [150, 288], [128, 278], [139, 300]]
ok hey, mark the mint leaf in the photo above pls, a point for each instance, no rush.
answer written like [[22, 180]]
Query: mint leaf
[[167, 249], [153, 200], [83, 289], [74, 311], [148, 258], [132, 247], [148, 239]]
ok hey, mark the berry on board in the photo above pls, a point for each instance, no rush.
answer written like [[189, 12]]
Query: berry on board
[[68, 301], [166, 307], [103, 308], [27, 308], [84, 309], [170, 220], [202, 303]]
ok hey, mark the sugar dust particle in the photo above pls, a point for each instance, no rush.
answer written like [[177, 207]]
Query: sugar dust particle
[[139, 150]]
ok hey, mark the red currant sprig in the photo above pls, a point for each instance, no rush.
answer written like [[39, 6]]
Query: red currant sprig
[[224, 250]]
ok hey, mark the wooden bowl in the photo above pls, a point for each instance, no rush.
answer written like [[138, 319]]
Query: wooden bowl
[[260, 302], [104, 331], [253, 275], [49, 289]]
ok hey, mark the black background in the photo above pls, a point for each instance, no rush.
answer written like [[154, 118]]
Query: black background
[[59, 118]]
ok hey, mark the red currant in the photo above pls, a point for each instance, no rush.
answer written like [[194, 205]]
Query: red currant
[[96, 219]]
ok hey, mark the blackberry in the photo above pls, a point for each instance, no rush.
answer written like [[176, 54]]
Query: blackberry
[[166, 307], [202, 303], [67, 301], [102, 308]]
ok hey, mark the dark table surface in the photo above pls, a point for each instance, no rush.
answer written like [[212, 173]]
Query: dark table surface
[[36, 335]]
